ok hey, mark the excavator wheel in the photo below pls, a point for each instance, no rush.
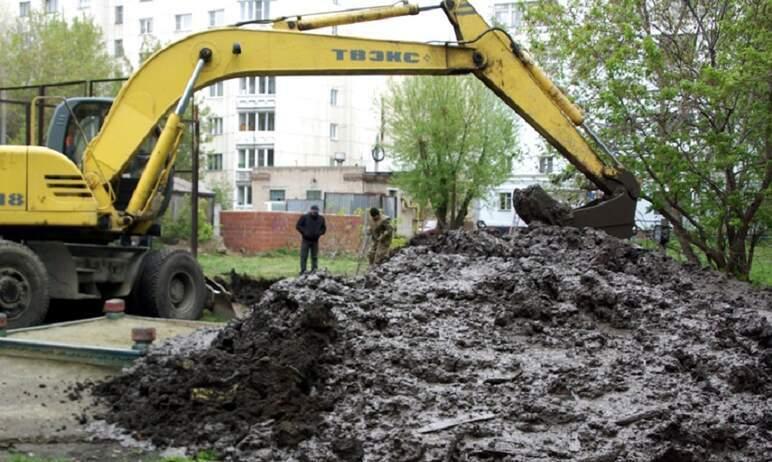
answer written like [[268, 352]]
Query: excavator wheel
[[171, 285], [23, 285]]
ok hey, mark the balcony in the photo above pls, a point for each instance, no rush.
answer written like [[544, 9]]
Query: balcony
[[255, 101], [243, 176]]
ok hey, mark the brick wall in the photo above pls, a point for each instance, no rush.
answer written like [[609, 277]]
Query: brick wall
[[265, 231]]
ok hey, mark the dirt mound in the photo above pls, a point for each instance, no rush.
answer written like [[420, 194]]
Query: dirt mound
[[261, 370], [552, 344]]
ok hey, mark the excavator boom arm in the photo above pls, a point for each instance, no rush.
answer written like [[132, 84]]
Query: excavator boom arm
[[154, 89], [488, 53]]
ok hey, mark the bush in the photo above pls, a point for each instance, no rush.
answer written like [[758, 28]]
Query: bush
[[398, 242], [180, 228]]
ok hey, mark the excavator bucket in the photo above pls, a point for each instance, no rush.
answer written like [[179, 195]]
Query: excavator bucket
[[219, 300], [614, 214]]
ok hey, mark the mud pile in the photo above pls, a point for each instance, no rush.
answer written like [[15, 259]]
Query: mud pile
[[554, 344]]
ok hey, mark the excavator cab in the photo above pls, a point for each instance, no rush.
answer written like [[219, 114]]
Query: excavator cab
[[76, 121]]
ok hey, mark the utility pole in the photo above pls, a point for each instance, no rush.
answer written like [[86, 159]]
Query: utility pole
[[194, 183], [3, 120]]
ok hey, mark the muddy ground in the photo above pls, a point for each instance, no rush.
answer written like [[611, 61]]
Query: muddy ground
[[245, 289], [552, 344]]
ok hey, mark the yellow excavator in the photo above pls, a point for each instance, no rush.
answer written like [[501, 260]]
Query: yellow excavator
[[74, 214]]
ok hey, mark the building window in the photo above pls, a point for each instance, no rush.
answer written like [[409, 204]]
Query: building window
[[262, 121], [51, 6], [23, 9], [216, 18], [265, 157], [118, 48], [505, 201], [333, 97], [119, 15], [216, 90], [313, 195], [215, 126], [246, 121], [246, 158], [545, 165], [510, 15], [146, 26], [254, 9], [277, 195], [263, 85], [214, 162], [267, 85], [183, 22], [247, 86], [251, 157], [82, 4], [265, 121], [333, 131], [244, 195]]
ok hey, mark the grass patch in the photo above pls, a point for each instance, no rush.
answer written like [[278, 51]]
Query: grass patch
[[26, 458], [274, 265], [203, 456], [761, 271]]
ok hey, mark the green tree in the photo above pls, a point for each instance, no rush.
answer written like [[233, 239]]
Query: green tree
[[452, 140], [178, 226], [45, 48], [682, 90], [223, 193]]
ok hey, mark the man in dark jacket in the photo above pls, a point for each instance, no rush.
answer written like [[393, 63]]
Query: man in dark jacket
[[311, 227]]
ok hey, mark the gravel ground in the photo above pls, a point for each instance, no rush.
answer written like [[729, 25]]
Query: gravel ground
[[552, 344]]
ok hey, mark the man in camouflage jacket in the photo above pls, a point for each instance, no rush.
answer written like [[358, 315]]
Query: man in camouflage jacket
[[381, 233]]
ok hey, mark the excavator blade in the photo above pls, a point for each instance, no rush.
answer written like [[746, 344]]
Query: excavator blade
[[615, 214]]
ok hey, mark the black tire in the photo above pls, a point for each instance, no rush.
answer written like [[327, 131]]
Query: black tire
[[23, 286], [172, 285]]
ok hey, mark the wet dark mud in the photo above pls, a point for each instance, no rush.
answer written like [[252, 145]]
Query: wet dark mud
[[552, 344], [245, 289], [534, 204]]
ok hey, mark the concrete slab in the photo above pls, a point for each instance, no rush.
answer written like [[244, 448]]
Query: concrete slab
[[34, 406]]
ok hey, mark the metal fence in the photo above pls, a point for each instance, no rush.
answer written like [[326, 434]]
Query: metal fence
[[355, 204], [301, 205], [341, 204], [16, 106]]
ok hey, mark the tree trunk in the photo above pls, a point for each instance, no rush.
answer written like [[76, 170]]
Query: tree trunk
[[463, 211], [683, 240], [737, 263], [686, 247], [441, 212]]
